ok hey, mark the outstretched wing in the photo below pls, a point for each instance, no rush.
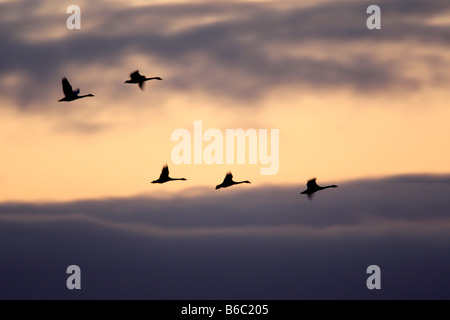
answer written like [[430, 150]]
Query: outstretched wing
[[164, 172], [135, 75], [228, 178], [67, 88], [311, 184]]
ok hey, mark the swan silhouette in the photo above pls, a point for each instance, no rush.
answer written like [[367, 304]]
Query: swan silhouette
[[69, 93], [312, 187], [136, 77], [164, 177], [228, 181]]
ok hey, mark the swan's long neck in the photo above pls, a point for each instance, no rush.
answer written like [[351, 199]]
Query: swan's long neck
[[239, 182]]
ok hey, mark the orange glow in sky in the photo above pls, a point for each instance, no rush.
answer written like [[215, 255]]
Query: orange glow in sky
[[114, 144]]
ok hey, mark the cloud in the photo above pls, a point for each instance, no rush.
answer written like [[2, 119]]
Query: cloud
[[259, 243], [239, 50], [380, 203]]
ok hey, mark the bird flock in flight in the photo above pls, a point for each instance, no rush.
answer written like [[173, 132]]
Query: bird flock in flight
[[136, 78]]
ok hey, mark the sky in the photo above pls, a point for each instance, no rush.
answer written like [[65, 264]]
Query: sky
[[363, 109]]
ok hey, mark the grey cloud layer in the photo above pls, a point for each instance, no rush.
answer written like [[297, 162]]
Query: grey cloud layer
[[371, 204], [243, 51], [267, 243]]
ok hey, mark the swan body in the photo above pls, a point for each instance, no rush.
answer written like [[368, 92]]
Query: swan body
[[164, 177], [312, 187], [228, 181], [136, 77], [69, 93]]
